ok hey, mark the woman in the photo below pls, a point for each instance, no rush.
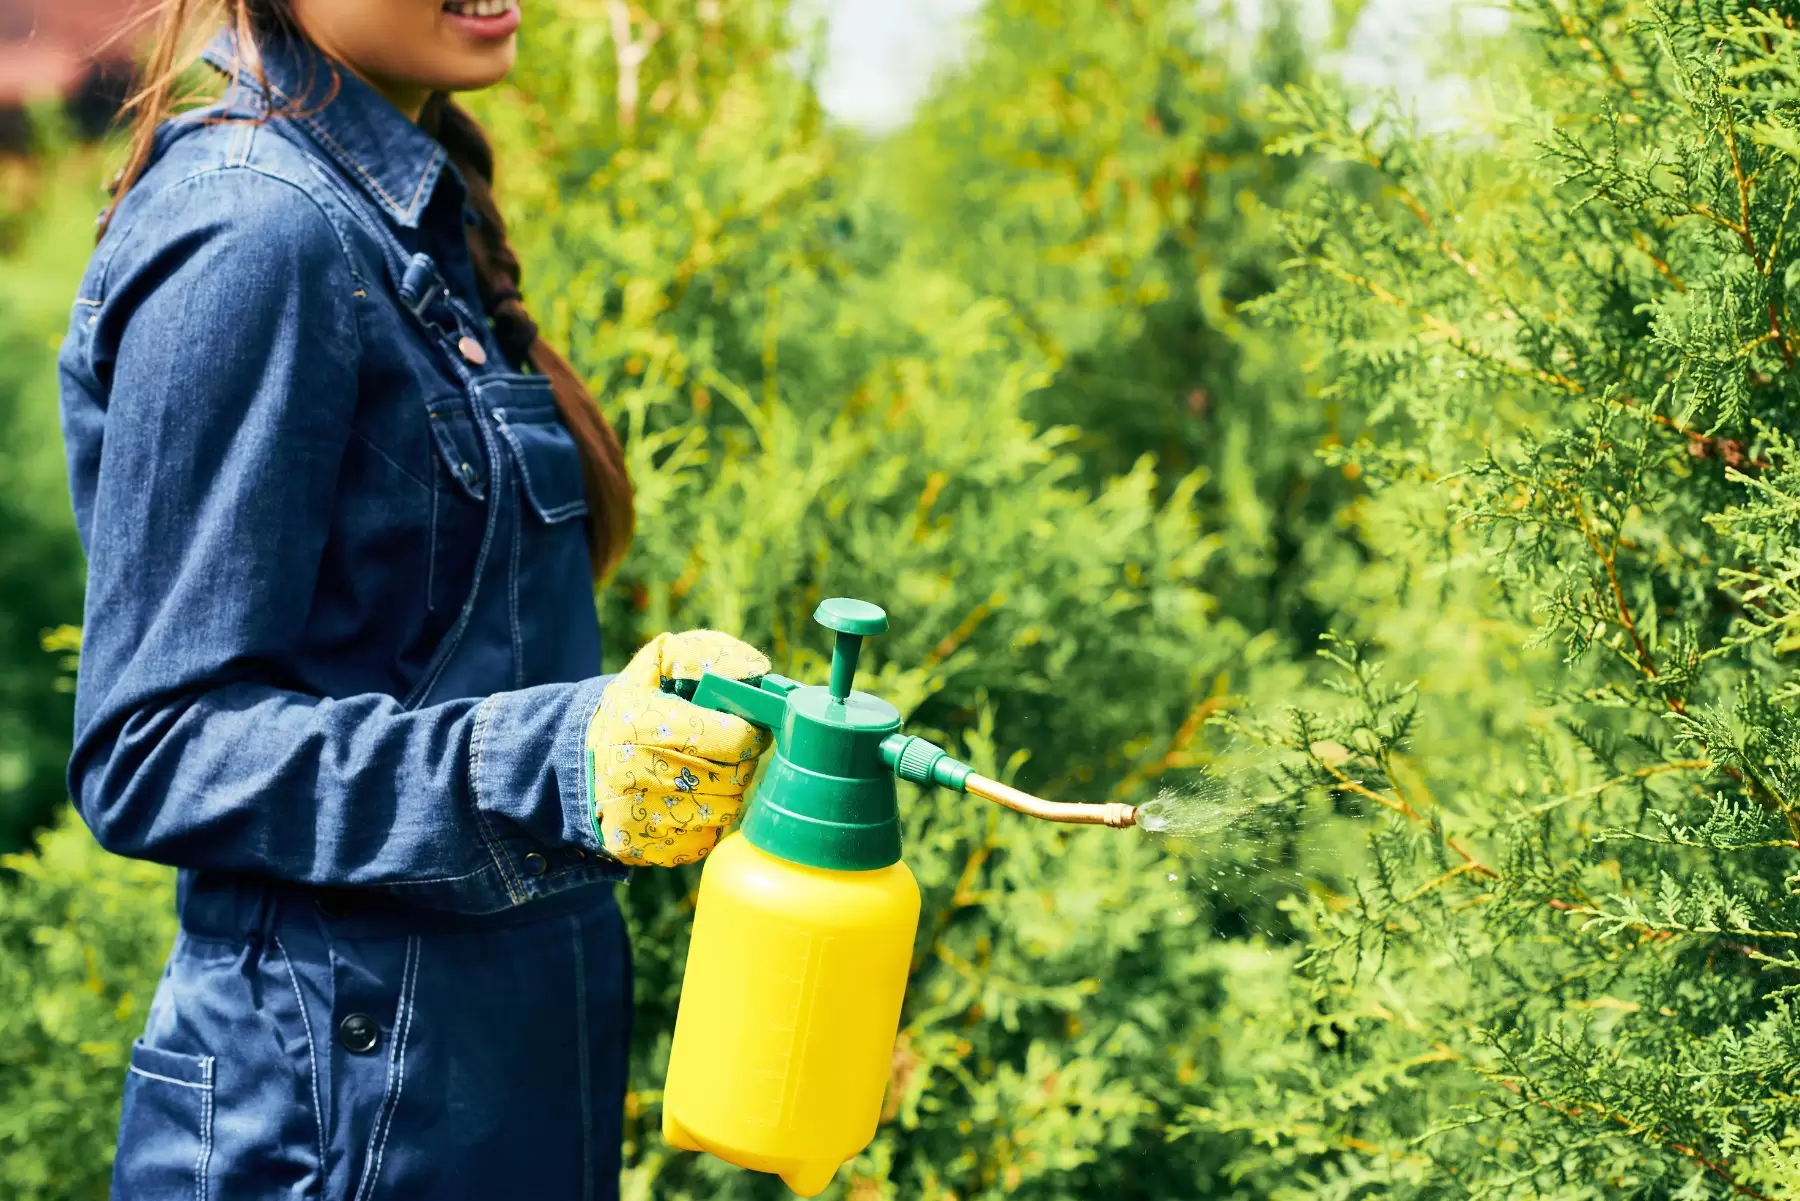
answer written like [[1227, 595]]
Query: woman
[[344, 511]]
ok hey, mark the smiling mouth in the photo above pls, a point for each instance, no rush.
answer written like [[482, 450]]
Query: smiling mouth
[[480, 8]]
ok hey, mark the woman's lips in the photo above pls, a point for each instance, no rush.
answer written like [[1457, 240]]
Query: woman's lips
[[487, 20]]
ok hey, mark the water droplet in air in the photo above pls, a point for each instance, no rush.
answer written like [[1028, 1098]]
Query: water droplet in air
[[1204, 807]]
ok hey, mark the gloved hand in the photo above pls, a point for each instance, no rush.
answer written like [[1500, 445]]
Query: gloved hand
[[666, 776]]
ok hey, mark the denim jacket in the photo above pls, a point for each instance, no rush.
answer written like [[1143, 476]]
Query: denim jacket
[[339, 626]]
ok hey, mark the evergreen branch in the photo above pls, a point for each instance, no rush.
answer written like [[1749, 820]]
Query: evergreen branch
[[1700, 446], [1779, 335], [1446, 329], [1399, 804], [963, 896], [1642, 242], [1173, 755], [1653, 840], [1360, 789], [1787, 211], [1790, 962], [1414, 206], [1729, 451], [1776, 332], [1642, 773], [1608, 559], [1474, 864], [1743, 187], [1619, 921], [1443, 1053], [1439, 881], [1596, 46], [1576, 1109], [953, 641]]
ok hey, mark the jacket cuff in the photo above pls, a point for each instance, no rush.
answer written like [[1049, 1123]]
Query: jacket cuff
[[585, 794], [528, 777]]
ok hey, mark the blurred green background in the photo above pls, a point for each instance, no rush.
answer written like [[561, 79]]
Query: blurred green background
[[1147, 355]]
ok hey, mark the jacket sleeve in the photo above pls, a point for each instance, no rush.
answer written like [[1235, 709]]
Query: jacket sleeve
[[209, 384]]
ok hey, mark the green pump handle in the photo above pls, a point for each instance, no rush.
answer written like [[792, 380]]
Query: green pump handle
[[827, 798], [763, 701]]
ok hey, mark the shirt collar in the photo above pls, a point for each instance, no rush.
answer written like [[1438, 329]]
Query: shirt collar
[[388, 156]]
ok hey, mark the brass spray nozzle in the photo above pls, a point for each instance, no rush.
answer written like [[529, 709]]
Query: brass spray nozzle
[[922, 762], [1112, 814]]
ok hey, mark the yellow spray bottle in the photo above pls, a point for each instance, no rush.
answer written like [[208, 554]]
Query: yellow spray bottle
[[804, 927]]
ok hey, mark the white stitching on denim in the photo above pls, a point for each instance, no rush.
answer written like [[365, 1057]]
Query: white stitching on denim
[[312, 1053], [406, 212], [431, 543], [202, 1160], [100, 268], [396, 1075], [478, 744], [237, 152], [137, 1071], [428, 176], [581, 1059], [433, 168], [550, 515], [395, 256], [491, 443], [389, 459], [356, 277], [396, 1066], [512, 590], [453, 640], [349, 160], [410, 880], [266, 173]]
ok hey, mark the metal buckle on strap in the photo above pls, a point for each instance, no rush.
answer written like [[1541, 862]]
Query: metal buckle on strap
[[422, 288]]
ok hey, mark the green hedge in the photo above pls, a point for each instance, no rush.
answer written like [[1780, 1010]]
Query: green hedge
[[990, 373]]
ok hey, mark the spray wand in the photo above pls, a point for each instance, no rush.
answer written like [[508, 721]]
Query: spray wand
[[764, 701], [921, 762]]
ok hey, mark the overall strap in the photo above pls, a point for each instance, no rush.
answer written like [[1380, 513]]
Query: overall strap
[[421, 290]]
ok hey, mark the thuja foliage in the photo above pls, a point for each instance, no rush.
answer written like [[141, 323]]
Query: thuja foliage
[[82, 940], [1093, 170], [826, 389], [1562, 342], [41, 232]]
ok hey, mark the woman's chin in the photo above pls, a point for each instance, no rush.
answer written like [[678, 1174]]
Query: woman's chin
[[470, 72]]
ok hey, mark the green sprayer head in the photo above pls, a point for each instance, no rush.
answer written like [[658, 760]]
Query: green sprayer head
[[826, 798]]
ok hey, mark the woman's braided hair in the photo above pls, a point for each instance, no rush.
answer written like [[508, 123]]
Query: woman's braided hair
[[497, 273]]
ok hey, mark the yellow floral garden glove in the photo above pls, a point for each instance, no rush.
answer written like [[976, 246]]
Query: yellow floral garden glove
[[665, 776]]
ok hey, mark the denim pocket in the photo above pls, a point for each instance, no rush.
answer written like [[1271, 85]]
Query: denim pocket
[[458, 445], [165, 1127], [549, 462], [458, 509], [549, 468]]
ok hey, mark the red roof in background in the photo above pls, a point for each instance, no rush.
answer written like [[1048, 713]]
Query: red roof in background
[[47, 47]]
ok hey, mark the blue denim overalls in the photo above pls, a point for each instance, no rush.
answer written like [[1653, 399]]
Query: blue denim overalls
[[340, 654]]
